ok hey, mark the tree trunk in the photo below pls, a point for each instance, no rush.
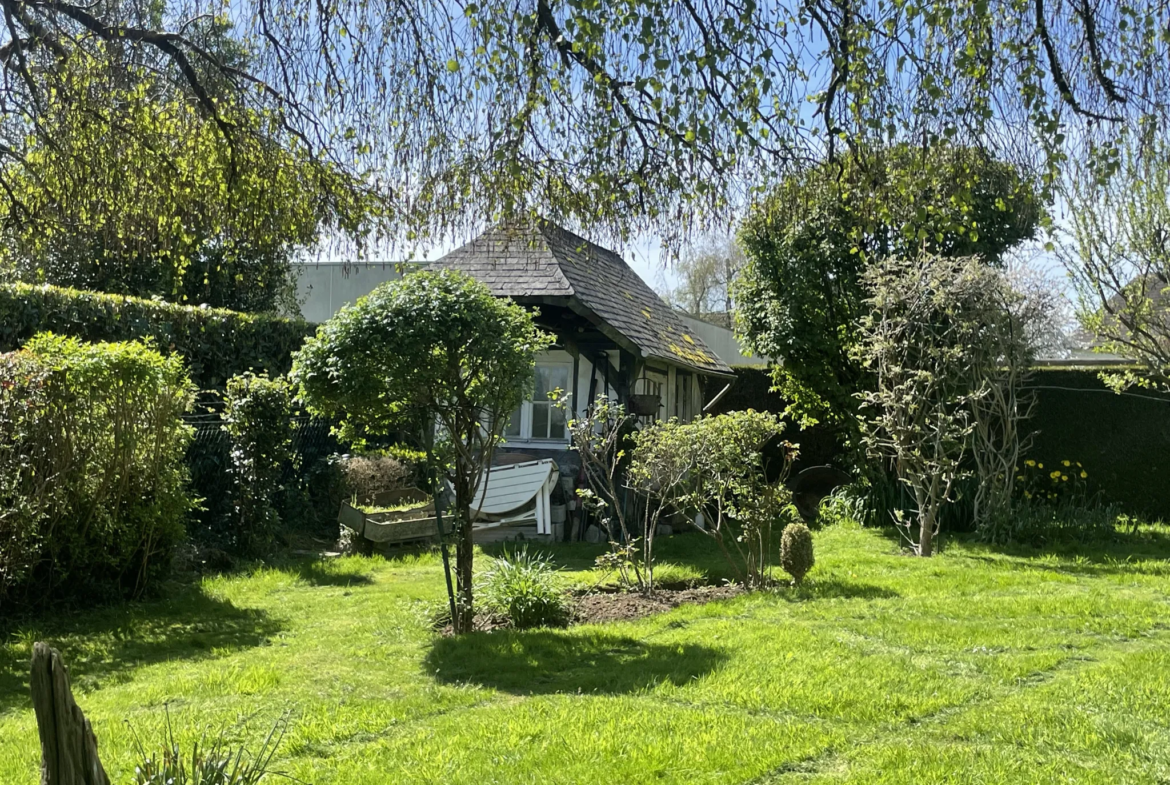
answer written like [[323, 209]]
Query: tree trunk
[[464, 553], [926, 533], [68, 746]]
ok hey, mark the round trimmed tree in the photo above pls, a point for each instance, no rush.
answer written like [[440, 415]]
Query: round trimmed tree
[[435, 349]]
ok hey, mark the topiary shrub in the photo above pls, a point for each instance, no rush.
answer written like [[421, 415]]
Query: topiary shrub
[[93, 488], [796, 551], [524, 587], [257, 418]]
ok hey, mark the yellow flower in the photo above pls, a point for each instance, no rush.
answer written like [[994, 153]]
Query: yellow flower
[[1027, 495], [1065, 463], [1064, 478], [1029, 463], [1054, 475], [1020, 477], [1084, 474], [1078, 463]]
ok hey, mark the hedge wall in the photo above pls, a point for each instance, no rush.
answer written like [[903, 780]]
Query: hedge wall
[[1123, 440], [216, 343]]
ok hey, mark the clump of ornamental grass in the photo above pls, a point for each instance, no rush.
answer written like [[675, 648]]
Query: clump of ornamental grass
[[524, 587]]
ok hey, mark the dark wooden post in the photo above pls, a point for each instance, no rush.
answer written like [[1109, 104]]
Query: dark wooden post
[[68, 746]]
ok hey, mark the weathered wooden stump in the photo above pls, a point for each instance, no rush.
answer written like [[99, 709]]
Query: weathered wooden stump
[[68, 747]]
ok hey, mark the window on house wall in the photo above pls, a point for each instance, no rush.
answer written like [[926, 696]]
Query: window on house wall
[[539, 418]]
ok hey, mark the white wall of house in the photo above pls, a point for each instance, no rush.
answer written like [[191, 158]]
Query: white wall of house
[[325, 288], [721, 341]]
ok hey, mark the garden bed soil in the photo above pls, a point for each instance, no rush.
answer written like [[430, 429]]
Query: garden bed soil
[[600, 607]]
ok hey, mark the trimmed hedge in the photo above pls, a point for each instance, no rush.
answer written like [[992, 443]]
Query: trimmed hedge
[[216, 343], [1122, 441]]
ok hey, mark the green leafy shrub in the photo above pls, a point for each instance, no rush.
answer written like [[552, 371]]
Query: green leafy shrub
[[524, 587], [207, 762], [94, 490], [215, 343], [796, 551], [257, 418], [26, 497]]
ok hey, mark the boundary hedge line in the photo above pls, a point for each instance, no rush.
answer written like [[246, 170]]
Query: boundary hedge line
[[216, 343], [1122, 440]]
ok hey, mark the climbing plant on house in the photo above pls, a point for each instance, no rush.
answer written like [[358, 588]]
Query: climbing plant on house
[[433, 349]]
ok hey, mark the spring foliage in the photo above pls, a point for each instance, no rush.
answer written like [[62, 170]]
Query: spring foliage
[[92, 483], [801, 296], [933, 344]]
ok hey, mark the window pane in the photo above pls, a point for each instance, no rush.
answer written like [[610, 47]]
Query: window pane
[[549, 378], [513, 427], [556, 429], [540, 420]]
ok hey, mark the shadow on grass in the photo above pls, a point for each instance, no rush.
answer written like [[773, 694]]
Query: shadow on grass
[[1144, 551], [317, 573], [550, 661], [834, 589], [104, 646]]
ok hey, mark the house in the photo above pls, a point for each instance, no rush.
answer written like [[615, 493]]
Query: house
[[614, 335]]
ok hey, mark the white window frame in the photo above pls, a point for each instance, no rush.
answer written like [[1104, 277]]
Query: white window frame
[[526, 412]]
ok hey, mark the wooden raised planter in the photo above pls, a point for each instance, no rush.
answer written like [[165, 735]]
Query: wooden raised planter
[[397, 526]]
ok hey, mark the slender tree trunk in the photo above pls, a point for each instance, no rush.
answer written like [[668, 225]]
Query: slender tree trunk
[[926, 532], [464, 554]]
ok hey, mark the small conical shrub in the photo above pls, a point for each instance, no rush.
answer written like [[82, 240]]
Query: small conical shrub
[[796, 551]]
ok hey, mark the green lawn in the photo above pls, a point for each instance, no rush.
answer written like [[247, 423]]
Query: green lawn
[[974, 666]]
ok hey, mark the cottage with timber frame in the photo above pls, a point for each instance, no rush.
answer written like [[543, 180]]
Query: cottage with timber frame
[[614, 335]]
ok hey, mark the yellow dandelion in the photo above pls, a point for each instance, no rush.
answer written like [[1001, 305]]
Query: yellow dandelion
[[1029, 463], [1078, 463], [1020, 477], [1039, 466], [1084, 474], [1065, 463], [1027, 495], [1054, 475], [1064, 478]]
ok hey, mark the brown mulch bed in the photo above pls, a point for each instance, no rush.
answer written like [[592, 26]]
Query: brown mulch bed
[[595, 608], [599, 607]]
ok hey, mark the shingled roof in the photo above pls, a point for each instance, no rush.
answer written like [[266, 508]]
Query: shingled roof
[[543, 260]]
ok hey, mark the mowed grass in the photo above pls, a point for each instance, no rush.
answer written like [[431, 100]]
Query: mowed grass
[[975, 666]]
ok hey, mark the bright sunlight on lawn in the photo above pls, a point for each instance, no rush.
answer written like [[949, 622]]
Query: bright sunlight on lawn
[[974, 666]]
